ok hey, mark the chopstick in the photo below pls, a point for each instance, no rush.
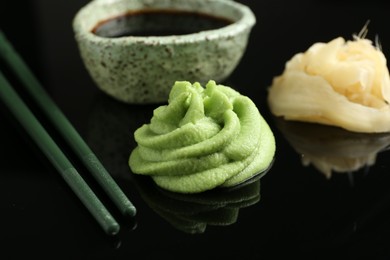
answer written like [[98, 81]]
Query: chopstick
[[56, 156], [64, 127]]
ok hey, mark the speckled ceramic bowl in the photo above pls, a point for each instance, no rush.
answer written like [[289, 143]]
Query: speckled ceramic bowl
[[142, 69]]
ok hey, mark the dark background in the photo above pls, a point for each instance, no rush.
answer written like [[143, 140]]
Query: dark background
[[300, 213]]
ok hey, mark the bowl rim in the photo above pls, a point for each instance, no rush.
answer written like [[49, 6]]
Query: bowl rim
[[243, 24]]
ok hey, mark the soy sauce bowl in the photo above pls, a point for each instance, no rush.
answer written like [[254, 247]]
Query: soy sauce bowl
[[134, 50]]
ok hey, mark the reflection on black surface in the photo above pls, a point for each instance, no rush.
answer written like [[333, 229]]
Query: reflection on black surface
[[343, 216], [110, 131], [331, 149], [192, 213]]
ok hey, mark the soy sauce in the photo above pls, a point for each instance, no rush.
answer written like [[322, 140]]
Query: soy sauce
[[158, 23]]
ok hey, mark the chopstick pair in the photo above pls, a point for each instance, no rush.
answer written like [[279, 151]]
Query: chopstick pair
[[37, 132]]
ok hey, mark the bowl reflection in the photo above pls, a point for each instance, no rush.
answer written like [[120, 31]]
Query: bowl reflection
[[110, 129], [331, 149]]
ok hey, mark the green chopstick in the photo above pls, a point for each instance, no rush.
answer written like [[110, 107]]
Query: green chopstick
[[64, 126], [57, 157]]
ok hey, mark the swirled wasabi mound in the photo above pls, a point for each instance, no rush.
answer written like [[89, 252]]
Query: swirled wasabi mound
[[203, 138]]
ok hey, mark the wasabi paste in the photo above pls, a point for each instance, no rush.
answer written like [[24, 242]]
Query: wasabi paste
[[203, 138]]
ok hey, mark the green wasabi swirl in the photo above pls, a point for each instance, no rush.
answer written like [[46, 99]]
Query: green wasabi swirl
[[204, 138]]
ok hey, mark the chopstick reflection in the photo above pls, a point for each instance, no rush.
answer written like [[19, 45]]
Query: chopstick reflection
[[333, 150]]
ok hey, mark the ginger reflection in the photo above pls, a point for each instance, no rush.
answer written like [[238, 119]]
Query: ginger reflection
[[331, 149]]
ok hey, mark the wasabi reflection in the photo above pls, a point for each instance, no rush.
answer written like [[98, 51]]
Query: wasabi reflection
[[192, 213]]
